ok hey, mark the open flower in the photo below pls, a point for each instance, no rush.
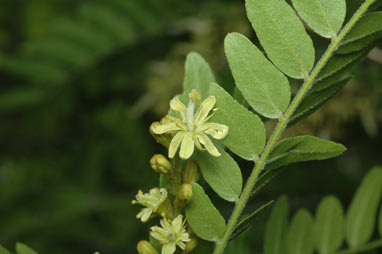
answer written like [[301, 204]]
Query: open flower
[[191, 128], [171, 234], [152, 201]]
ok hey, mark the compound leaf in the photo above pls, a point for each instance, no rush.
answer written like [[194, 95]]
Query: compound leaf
[[329, 225], [246, 136], [325, 17], [303, 148], [362, 212], [202, 216], [264, 87], [282, 35]]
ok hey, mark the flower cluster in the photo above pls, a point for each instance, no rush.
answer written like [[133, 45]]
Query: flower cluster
[[191, 129]]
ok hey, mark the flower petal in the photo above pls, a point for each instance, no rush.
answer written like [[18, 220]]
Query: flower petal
[[181, 245], [216, 130], [144, 214], [204, 109], [187, 147], [159, 233], [169, 248], [211, 148], [163, 128], [175, 143], [177, 224], [177, 105]]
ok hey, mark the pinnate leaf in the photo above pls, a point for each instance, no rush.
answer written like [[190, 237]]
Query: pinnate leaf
[[300, 236], [246, 136], [277, 227], [362, 212], [221, 173], [303, 148], [282, 35], [198, 75], [325, 17], [329, 227], [202, 216], [264, 87]]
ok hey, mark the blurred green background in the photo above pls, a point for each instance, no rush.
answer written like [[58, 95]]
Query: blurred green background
[[81, 81]]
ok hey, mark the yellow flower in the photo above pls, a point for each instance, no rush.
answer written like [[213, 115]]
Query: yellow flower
[[171, 234], [152, 201], [191, 128]]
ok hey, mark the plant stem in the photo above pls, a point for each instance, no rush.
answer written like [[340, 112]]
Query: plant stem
[[366, 247], [240, 204]]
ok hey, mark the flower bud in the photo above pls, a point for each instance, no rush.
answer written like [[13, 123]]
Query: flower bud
[[190, 246], [144, 247], [185, 193], [160, 164], [191, 172]]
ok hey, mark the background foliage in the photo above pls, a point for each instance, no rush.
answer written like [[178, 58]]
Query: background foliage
[[81, 81]]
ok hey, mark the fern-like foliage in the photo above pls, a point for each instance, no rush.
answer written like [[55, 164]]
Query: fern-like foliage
[[326, 231]]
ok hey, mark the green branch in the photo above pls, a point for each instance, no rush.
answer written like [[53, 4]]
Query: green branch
[[240, 204]]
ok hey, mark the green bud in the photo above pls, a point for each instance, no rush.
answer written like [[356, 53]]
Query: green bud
[[185, 193], [144, 247], [160, 164], [191, 172], [190, 246]]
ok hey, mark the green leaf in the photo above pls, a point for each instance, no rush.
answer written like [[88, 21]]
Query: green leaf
[[264, 87], [329, 225], [302, 148], [246, 136], [23, 249], [198, 75], [325, 17], [202, 216], [4, 250], [361, 216], [367, 25], [282, 35], [300, 236], [314, 101], [359, 44], [276, 228], [247, 220], [337, 63], [221, 173]]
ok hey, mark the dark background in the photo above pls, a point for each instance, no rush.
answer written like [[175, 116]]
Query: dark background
[[80, 83]]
